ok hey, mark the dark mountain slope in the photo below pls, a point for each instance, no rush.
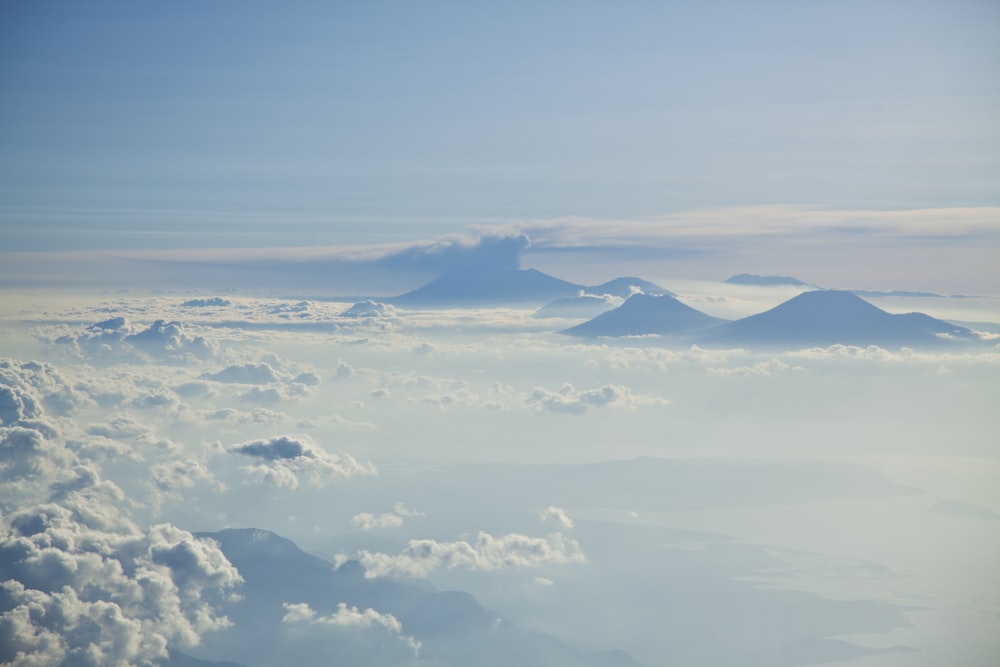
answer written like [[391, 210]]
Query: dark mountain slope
[[451, 626], [828, 317], [626, 286], [488, 287], [645, 314]]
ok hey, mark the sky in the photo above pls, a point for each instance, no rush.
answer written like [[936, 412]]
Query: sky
[[207, 209], [245, 124]]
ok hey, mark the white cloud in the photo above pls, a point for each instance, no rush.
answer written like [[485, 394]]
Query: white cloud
[[487, 553], [82, 583], [89, 596], [350, 618], [368, 521], [118, 339], [767, 367], [180, 474], [570, 400], [285, 461], [370, 310], [246, 373], [556, 514]]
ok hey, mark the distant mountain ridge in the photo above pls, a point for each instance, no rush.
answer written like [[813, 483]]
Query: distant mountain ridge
[[453, 628], [820, 317], [600, 298], [829, 317], [483, 287], [765, 281], [488, 287]]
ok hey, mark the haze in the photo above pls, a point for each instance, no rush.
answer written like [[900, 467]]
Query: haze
[[568, 334]]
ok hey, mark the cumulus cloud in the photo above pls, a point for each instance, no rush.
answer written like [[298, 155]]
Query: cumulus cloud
[[569, 400], [368, 521], [556, 514], [248, 373], [32, 458], [81, 583], [177, 474], [28, 387], [767, 367], [370, 309], [285, 461], [875, 353], [118, 339], [75, 594], [487, 553], [215, 301], [255, 416], [349, 618]]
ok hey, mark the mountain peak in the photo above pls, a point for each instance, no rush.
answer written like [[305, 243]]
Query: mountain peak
[[829, 317], [492, 286], [644, 314]]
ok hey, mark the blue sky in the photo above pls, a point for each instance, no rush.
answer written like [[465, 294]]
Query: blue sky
[[251, 124]]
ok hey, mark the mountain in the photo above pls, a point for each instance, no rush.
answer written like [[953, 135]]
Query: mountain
[[645, 314], [627, 286], [828, 317], [600, 298], [764, 281], [453, 629], [488, 287], [585, 306]]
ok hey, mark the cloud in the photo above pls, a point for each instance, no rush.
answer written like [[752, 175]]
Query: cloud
[[370, 310], [248, 373], [285, 461], [768, 367], [179, 474], [348, 618], [367, 521], [274, 449], [123, 428], [556, 514], [81, 583], [118, 339], [873, 353], [215, 301], [487, 554], [74, 594], [255, 416], [26, 388], [733, 223], [346, 269], [569, 400]]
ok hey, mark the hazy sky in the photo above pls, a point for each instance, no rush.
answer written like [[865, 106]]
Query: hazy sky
[[223, 124], [203, 186]]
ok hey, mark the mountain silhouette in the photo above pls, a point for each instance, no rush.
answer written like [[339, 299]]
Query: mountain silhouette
[[626, 286], [644, 314], [488, 287], [828, 317], [764, 281], [453, 628], [584, 306]]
